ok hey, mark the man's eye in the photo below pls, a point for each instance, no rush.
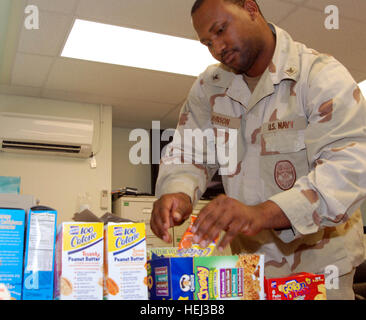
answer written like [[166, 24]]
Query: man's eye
[[220, 30]]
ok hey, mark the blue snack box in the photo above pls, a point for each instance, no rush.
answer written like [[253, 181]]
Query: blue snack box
[[170, 278], [12, 226], [39, 254]]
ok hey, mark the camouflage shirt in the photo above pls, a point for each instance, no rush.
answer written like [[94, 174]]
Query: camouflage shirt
[[301, 142]]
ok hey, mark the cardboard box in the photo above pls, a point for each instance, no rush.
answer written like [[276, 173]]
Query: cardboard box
[[12, 226], [171, 278], [125, 275], [161, 252], [300, 286], [39, 254], [229, 277], [79, 261]]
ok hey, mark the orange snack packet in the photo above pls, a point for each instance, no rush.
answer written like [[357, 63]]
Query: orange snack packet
[[186, 247]]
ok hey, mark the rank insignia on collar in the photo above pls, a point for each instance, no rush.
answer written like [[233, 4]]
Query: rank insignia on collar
[[290, 71]]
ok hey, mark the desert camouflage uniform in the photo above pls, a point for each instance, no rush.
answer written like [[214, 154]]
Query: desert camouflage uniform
[[301, 143]]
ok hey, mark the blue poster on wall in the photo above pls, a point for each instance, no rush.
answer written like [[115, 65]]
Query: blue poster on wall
[[10, 185]]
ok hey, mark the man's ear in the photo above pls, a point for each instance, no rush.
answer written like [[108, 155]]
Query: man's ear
[[252, 8]]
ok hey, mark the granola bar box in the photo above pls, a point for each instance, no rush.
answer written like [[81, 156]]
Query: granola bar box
[[300, 286], [238, 277], [170, 278]]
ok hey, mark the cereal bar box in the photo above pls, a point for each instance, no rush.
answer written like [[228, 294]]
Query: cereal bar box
[[125, 274], [39, 254], [161, 252], [300, 286], [12, 227], [229, 277], [170, 278], [79, 261], [187, 248]]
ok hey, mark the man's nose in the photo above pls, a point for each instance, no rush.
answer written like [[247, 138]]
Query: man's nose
[[218, 48]]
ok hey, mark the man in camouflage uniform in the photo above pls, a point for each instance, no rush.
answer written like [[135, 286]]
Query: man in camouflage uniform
[[299, 179]]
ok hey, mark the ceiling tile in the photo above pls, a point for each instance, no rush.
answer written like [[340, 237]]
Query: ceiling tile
[[354, 9], [61, 6], [20, 91], [339, 43], [117, 81], [30, 70], [358, 75], [275, 11], [147, 112], [168, 17], [49, 38]]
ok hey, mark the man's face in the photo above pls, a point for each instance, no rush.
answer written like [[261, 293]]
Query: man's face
[[229, 32]]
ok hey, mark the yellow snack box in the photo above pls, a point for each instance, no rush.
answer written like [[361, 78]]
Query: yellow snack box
[[79, 261], [125, 274]]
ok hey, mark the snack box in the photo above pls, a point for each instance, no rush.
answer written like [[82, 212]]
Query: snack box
[[187, 248], [79, 261], [125, 275], [161, 252], [300, 286], [39, 254], [12, 227], [239, 277], [170, 278]]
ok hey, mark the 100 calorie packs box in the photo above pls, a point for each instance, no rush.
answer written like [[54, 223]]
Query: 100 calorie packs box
[[125, 261], [79, 261], [170, 278]]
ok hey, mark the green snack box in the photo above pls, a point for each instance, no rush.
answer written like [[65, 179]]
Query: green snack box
[[239, 277]]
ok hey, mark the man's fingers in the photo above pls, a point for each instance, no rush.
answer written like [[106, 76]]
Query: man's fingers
[[231, 232], [160, 221]]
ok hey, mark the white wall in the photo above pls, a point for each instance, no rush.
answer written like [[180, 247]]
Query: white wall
[[124, 173], [55, 180]]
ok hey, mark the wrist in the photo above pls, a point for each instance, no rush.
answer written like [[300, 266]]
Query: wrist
[[185, 197], [273, 216]]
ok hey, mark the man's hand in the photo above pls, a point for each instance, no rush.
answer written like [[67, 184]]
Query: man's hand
[[169, 211], [234, 217]]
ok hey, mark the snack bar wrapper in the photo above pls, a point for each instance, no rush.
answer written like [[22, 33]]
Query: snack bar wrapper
[[187, 248]]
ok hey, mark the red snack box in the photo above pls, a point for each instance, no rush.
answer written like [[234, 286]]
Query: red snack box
[[300, 286]]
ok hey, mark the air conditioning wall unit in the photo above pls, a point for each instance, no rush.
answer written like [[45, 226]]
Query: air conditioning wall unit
[[28, 133]]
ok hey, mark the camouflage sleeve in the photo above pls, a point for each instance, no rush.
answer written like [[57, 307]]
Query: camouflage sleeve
[[335, 140], [189, 161]]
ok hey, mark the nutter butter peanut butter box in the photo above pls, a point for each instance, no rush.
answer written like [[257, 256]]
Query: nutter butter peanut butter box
[[79, 261]]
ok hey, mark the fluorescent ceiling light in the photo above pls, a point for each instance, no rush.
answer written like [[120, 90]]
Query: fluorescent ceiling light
[[362, 86], [134, 48]]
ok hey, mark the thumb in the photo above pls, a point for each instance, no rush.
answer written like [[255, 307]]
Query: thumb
[[177, 216]]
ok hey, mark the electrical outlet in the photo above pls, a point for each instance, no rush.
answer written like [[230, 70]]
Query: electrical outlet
[[104, 199]]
